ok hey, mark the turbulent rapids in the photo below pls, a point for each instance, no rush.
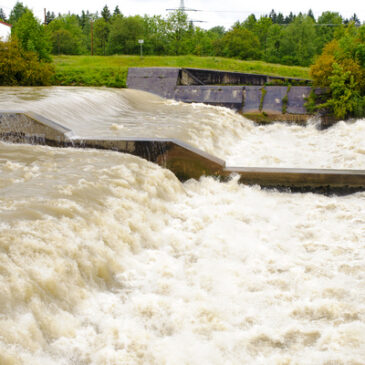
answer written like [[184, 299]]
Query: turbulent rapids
[[106, 258], [101, 112]]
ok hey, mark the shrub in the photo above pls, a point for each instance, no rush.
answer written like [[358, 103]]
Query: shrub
[[19, 67], [345, 97], [340, 70]]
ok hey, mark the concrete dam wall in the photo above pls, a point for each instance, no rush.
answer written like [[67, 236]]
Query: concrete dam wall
[[259, 97], [182, 159]]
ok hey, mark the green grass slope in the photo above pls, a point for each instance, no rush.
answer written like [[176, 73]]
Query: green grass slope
[[112, 70]]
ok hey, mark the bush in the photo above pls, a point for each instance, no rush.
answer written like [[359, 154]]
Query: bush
[[341, 72], [92, 77], [345, 97], [22, 68]]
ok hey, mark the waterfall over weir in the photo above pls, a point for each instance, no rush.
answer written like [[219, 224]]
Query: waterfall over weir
[[152, 135], [106, 258]]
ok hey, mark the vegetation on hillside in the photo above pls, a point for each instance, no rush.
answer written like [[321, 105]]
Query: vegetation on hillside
[[294, 39], [335, 44], [20, 67], [25, 58], [340, 69], [112, 70]]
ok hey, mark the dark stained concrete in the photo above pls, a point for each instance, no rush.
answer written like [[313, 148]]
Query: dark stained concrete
[[252, 97], [159, 81], [239, 91], [273, 99], [228, 96], [216, 77]]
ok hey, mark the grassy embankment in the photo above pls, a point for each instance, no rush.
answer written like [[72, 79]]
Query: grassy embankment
[[112, 70]]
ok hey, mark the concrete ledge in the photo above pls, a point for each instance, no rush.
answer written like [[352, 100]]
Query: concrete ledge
[[32, 128], [300, 177], [182, 159]]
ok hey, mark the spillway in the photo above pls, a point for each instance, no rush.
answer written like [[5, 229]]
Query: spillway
[[106, 258], [102, 112]]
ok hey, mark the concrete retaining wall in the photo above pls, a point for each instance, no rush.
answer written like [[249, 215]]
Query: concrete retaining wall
[[228, 96], [215, 77], [211, 87], [159, 81], [183, 160]]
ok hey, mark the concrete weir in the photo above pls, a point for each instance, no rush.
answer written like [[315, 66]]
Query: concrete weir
[[182, 159], [261, 98]]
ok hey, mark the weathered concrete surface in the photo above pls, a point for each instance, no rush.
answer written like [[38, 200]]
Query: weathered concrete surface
[[31, 128], [282, 177], [297, 98], [216, 77], [229, 96], [264, 118], [211, 87], [273, 99], [252, 97], [160, 81], [183, 160]]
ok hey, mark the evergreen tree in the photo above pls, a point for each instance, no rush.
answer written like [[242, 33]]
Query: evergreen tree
[[273, 16], [116, 11], [50, 16], [290, 18], [355, 19], [105, 13], [280, 19], [311, 15], [16, 13], [84, 19], [2, 15]]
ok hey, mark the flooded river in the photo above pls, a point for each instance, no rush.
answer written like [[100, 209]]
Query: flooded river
[[106, 258]]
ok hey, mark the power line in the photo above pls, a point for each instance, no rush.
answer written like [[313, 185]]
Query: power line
[[184, 9]]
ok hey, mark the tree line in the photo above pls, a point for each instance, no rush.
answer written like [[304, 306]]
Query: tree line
[[332, 45], [294, 39]]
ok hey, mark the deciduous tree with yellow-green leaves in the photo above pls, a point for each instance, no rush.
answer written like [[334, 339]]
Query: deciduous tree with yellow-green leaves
[[23, 68], [340, 69]]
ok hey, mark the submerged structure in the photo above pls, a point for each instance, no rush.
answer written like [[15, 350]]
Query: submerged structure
[[182, 159], [261, 98]]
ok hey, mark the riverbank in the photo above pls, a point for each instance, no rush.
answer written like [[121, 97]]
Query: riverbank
[[112, 71]]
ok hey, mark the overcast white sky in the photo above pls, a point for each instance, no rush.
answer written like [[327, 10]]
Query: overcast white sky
[[214, 12]]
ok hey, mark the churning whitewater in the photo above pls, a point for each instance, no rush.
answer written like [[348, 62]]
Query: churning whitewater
[[106, 112], [106, 258]]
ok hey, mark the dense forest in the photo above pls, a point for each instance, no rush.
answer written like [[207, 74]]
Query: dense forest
[[294, 39], [334, 47]]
